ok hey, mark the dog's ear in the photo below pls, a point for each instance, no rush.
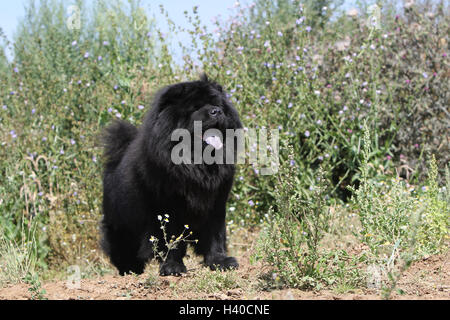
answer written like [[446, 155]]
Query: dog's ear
[[204, 77], [169, 95]]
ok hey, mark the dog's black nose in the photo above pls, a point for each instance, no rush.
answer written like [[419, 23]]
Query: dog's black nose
[[215, 111]]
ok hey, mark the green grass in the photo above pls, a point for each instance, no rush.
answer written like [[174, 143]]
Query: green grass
[[18, 259], [215, 281]]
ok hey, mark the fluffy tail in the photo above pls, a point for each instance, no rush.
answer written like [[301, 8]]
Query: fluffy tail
[[116, 138]]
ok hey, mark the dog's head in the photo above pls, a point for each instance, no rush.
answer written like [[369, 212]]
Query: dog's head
[[181, 104]]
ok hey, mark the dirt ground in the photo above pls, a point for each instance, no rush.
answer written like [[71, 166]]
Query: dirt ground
[[425, 279]]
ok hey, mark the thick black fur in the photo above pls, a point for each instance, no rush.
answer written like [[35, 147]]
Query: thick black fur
[[141, 182]]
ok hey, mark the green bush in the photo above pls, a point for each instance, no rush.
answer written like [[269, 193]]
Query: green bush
[[290, 241], [386, 210], [435, 227], [399, 224]]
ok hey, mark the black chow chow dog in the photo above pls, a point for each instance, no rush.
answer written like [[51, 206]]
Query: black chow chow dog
[[141, 182]]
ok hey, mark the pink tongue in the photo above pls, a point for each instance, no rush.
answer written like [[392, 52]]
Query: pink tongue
[[215, 142]]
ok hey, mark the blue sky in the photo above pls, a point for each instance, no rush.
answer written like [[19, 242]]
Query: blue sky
[[12, 11]]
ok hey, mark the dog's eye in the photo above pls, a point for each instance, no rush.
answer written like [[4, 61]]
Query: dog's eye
[[215, 111]]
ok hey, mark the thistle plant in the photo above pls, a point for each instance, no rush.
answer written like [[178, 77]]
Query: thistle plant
[[296, 223], [435, 228], [398, 224]]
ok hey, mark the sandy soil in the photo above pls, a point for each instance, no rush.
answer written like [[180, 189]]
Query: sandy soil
[[425, 279]]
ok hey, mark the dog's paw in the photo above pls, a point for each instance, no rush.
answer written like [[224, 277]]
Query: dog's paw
[[222, 263], [172, 268]]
